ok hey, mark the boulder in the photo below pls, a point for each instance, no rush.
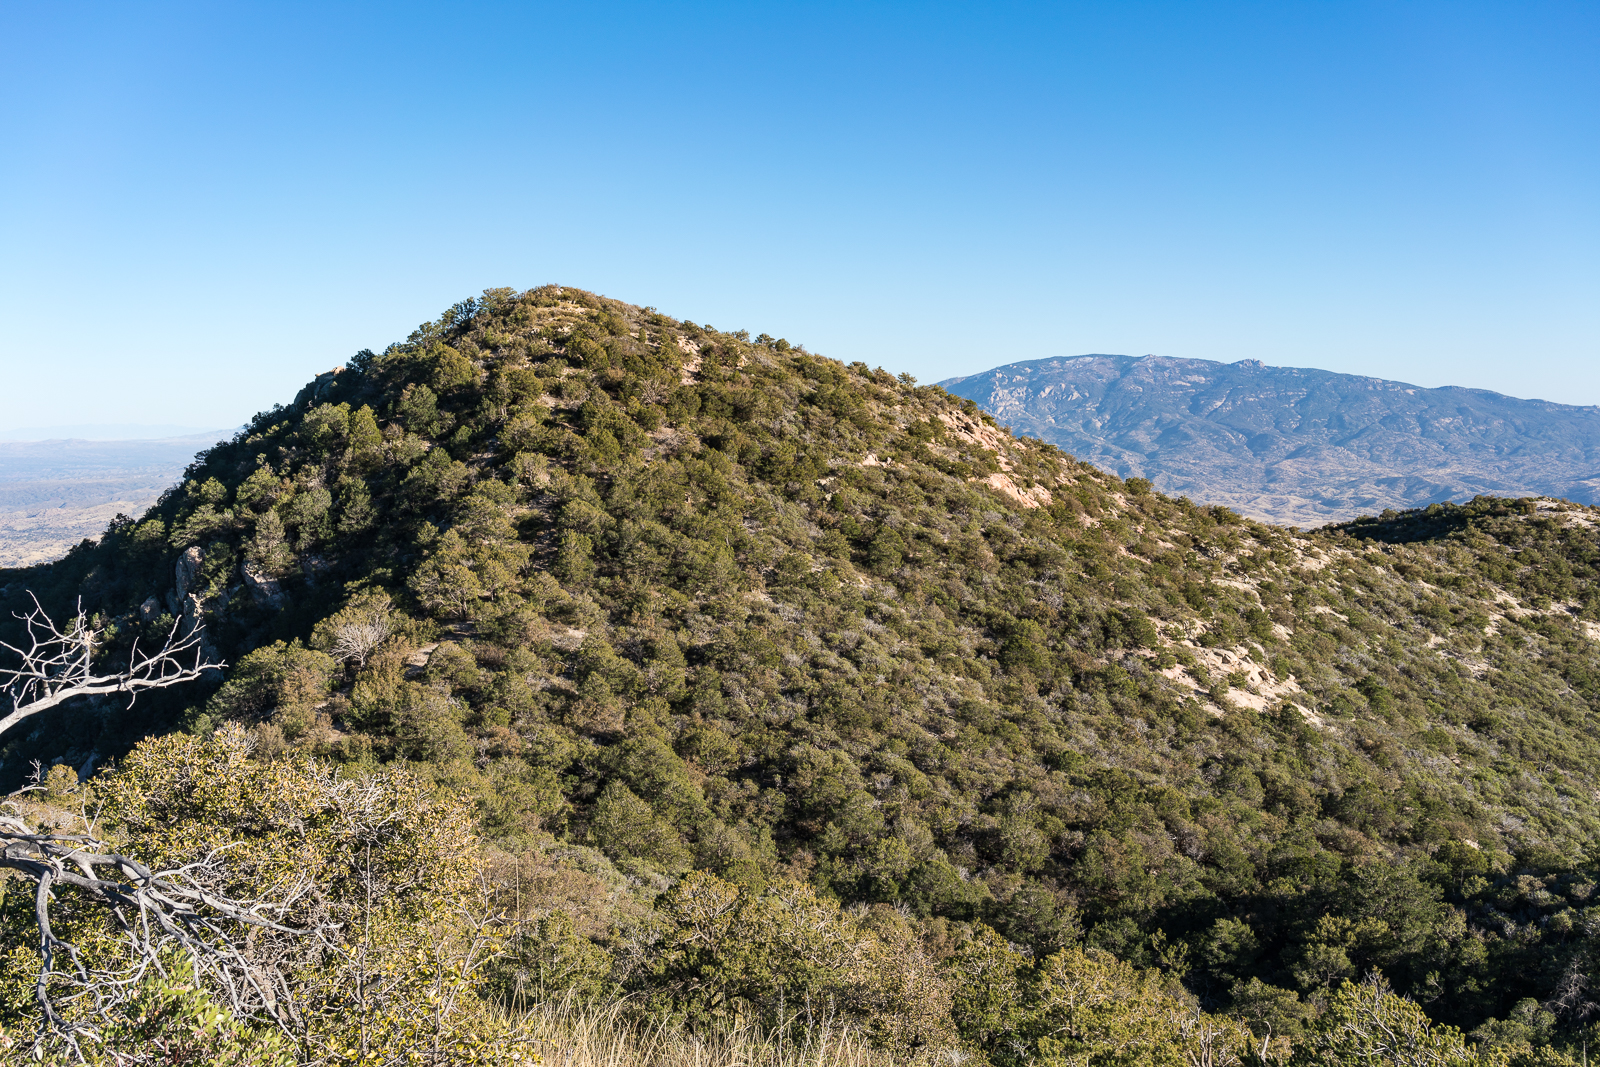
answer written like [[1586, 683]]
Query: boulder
[[264, 589], [317, 390]]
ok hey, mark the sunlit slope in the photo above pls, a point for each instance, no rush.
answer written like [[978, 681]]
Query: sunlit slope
[[701, 600]]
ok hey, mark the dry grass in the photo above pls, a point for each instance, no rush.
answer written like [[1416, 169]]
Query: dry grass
[[568, 1033]]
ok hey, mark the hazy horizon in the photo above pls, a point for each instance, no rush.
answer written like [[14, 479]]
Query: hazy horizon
[[104, 432]]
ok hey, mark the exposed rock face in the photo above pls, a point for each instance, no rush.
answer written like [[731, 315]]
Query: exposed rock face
[[264, 589], [1289, 445], [187, 575], [317, 389], [193, 614], [185, 579], [185, 601]]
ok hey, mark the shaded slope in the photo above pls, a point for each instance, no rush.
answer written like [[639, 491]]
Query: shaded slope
[[1292, 445]]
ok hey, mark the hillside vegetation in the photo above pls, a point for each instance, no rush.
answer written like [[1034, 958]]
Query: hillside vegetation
[[778, 685], [1290, 444]]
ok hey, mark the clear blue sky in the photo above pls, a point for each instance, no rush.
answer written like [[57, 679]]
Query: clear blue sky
[[203, 205]]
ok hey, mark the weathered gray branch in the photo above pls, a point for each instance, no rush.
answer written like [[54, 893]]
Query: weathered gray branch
[[57, 666], [157, 914]]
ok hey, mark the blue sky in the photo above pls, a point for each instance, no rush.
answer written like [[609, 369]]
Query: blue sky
[[203, 205]]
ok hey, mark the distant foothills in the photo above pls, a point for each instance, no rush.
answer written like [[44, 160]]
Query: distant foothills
[[62, 484], [1290, 445]]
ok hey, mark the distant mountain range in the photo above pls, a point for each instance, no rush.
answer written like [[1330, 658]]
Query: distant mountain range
[[101, 431], [1289, 445]]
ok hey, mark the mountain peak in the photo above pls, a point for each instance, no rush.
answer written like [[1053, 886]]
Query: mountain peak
[[1294, 445], [658, 598]]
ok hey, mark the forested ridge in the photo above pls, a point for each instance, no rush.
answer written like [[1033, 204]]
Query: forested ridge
[[725, 645], [1293, 445]]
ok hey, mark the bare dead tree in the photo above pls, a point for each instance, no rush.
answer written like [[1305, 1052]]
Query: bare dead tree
[[1570, 1000], [1210, 1043], [358, 638], [158, 917], [59, 665]]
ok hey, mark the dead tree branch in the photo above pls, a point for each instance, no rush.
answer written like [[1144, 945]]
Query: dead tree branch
[[158, 917], [57, 666]]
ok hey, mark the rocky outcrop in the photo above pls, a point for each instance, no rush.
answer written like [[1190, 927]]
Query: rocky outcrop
[[186, 600], [265, 590], [187, 577], [318, 389]]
